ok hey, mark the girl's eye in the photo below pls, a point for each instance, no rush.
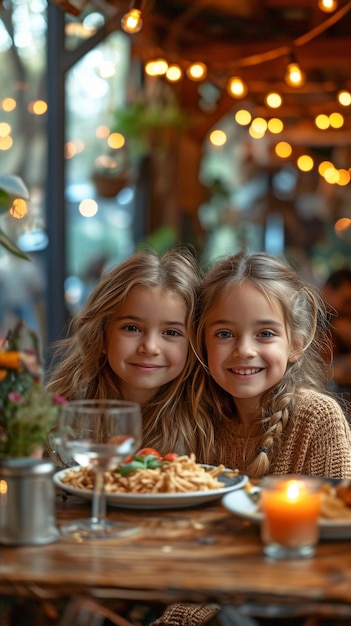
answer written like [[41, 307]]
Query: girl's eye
[[172, 333], [131, 328], [224, 334], [266, 334]]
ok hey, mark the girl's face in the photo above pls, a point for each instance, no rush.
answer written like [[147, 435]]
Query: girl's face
[[147, 342], [247, 344]]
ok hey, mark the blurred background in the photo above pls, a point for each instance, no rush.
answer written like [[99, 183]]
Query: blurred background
[[218, 124]]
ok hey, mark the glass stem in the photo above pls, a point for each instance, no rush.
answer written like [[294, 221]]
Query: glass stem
[[99, 502]]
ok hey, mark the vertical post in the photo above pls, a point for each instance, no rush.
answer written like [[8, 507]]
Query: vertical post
[[56, 312]]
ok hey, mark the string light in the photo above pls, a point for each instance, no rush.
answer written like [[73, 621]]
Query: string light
[[273, 100], [294, 77], [197, 71], [328, 6], [132, 21], [236, 87]]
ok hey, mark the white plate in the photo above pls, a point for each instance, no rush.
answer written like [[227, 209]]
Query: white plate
[[242, 505], [158, 500]]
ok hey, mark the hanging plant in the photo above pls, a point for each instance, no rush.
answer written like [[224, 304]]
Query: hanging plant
[[147, 125]]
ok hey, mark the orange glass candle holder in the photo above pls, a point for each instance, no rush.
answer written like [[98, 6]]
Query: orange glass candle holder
[[290, 506]]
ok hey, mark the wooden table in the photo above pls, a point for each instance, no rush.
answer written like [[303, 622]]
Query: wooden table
[[202, 554]]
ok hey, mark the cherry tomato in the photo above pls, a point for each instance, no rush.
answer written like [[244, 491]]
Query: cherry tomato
[[129, 459], [147, 451], [171, 456]]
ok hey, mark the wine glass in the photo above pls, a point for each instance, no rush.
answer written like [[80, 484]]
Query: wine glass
[[99, 434]]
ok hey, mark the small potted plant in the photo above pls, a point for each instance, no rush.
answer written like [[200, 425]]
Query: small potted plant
[[110, 175]]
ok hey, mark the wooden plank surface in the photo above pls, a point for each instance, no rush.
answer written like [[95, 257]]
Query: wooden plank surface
[[197, 554]]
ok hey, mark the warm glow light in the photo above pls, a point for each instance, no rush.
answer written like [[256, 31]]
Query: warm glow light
[[341, 225], [294, 76], [283, 149], [77, 29], [259, 125], [3, 486], [322, 121], [255, 134], [70, 150], [88, 207], [243, 117], [197, 71], [102, 131], [73, 147], [328, 6], [105, 162], [5, 129], [218, 138], [156, 67], [6, 143], [305, 163], [8, 104], [322, 167], [275, 125], [132, 22], [344, 178], [236, 87], [19, 208], [344, 98], [336, 120], [331, 175], [273, 100], [116, 141], [38, 107], [174, 73]]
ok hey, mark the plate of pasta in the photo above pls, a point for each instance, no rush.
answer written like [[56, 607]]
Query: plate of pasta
[[335, 514], [178, 484]]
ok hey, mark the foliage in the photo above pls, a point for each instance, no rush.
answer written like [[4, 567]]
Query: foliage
[[11, 187], [27, 410], [141, 122]]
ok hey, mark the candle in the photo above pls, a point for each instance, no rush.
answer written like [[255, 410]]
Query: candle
[[290, 506]]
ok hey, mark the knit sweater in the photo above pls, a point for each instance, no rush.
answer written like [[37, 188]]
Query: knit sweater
[[316, 441]]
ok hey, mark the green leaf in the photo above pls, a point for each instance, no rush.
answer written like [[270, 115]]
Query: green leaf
[[5, 201], [14, 187], [11, 247], [130, 467]]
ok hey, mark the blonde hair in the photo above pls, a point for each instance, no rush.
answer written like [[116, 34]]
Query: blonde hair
[[306, 319], [83, 370]]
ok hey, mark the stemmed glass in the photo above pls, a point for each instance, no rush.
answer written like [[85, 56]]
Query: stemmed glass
[[99, 434]]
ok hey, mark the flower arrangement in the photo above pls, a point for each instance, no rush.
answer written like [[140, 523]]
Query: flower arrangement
[[27, 410]]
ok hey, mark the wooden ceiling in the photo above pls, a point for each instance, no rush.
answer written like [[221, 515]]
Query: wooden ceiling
[[255, 40]]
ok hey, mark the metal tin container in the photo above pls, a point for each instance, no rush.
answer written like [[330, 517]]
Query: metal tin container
[[27, 502]]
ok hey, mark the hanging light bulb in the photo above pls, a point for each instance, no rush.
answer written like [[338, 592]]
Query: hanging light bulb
[[197, 71], [236, 87], [132, 21], [328, 6], [294, 76]]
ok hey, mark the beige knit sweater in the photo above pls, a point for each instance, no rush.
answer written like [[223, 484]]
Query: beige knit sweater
[[317, 441]]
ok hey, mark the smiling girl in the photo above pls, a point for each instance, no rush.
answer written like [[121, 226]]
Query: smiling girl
[[131, 340], [261, 334]]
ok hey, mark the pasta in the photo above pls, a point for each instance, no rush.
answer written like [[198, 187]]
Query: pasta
[[336, 502], [182, 475]]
